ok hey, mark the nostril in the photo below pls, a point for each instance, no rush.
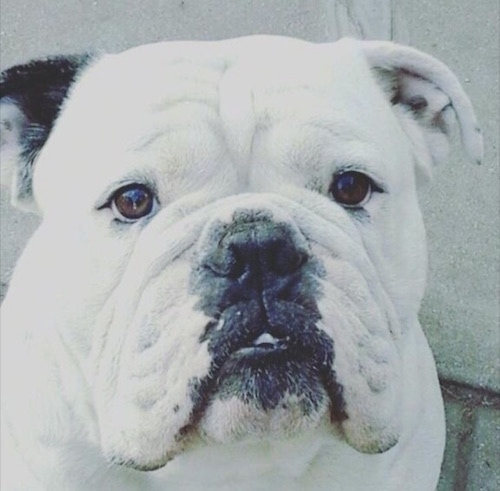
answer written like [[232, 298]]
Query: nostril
[[226, 261], [236, 263], [301, 259], [287, 259]]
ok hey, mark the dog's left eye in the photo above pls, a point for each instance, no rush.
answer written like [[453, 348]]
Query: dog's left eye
[[352, 189], [132, 202]]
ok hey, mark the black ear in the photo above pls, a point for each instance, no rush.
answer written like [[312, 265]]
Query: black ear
[[31, 96]]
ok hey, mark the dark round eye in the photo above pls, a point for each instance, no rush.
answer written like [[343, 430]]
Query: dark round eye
[[351, 189], [132, 202]]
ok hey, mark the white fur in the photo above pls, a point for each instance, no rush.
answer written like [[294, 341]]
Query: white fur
[[100, 333]]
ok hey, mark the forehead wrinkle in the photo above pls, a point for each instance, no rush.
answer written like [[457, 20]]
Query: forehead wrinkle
[[237, 115], [179, 116]]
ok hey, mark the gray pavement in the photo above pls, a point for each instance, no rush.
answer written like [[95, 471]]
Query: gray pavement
[[461, 206]]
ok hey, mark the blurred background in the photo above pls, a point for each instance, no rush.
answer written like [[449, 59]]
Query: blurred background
[[461, 206]]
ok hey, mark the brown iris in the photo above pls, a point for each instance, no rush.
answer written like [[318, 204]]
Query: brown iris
[[351, 188], [133, 202]]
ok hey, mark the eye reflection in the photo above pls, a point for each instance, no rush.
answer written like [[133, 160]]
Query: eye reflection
[[351, 188], [132, 202]]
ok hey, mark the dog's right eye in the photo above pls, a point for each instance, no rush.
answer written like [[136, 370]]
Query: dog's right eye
[[132, 202], [352, 189]]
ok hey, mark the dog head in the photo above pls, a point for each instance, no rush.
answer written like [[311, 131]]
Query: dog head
[[231, 231]]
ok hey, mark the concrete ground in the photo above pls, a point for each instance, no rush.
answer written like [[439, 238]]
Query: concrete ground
[[461, 206]]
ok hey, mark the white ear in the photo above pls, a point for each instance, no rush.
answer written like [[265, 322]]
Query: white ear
[[31, 96], [427, 97]]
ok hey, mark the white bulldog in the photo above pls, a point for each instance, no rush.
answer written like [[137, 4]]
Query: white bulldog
[[224, 290]]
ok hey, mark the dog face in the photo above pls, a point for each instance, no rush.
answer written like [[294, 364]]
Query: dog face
[[239, 249]]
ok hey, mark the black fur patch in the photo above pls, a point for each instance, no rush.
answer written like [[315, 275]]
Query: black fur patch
[[38, 89]]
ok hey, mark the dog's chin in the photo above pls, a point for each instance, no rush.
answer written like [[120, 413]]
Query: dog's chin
[[234, 420], [264, 392]]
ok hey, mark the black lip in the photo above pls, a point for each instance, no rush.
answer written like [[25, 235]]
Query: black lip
[[300, 362], [292, 325]]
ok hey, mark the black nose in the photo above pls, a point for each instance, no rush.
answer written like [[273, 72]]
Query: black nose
[[257, 250]]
